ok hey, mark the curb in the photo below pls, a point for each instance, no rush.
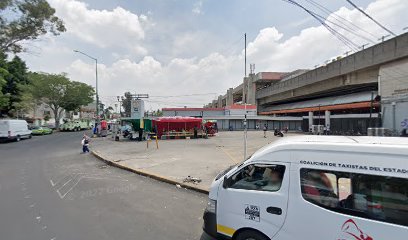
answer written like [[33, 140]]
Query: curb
[[149, 174]]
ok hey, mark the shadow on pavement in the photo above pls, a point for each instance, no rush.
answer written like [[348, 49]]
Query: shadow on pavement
[[205, 236]]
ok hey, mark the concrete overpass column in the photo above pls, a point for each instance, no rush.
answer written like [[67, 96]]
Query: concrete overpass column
[[327, 119], [219, 101], [250, 89], [230, 97], [310, 120], [214, 103]]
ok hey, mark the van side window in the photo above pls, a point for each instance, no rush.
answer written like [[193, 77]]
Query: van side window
[[369, 196], [259, 177]]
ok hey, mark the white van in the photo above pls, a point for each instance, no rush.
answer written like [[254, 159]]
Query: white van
[[12, 129], [314, 187]]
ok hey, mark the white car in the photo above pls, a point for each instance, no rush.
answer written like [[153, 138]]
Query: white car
[[13, 129]]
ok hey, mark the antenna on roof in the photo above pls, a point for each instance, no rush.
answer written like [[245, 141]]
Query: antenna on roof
[[252, 68]]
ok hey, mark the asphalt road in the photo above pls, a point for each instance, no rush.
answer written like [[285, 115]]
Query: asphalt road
[[48, 190]]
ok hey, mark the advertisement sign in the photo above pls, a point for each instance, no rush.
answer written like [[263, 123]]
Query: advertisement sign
[[137, 109]]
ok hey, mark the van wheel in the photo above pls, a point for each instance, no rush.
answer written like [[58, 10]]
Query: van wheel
[[251, 235], [18, 138], [30, 136]]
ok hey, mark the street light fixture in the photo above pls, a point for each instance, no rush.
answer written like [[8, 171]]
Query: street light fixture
[[96, 87]]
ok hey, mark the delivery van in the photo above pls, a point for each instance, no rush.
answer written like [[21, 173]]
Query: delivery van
[[314, 187], [14, 129]]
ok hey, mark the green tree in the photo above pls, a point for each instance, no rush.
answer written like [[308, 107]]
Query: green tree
[[159, 113], [16, 80], [26, 101], [126, 103], [4, 97], [22, 20], [59, 93], [106, 112]]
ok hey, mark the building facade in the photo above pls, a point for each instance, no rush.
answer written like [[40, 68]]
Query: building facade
[[232, 117], [348, 95]]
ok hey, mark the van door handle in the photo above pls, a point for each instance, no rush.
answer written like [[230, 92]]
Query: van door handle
[[274, 210]]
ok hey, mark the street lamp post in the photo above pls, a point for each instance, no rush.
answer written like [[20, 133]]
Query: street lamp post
[[120, 106], [96, 86]]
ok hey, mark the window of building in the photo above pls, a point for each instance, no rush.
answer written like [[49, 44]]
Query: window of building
[[259, 177], [369, 196]]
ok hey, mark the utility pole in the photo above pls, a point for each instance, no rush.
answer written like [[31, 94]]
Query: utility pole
[[371, 109], [97, 120], [245, 54], [96, 90], [244, 98]]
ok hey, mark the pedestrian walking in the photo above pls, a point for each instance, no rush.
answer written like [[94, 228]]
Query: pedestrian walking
[[265, 128], [85, 144]]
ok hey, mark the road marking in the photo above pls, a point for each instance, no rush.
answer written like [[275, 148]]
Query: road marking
[[63, 195], [52, 183], [59, 194], [61, 179], [65, 183]]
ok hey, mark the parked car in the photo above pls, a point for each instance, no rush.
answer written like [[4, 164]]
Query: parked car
[[74, 126], [13, 129], [37, 130]]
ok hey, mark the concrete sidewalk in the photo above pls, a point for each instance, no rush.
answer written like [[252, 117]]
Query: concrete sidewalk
[[177, 159]]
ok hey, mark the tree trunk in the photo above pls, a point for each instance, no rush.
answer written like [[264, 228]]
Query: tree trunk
[[55, 111], [59, 113]]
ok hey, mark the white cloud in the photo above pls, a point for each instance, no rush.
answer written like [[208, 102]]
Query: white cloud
[[198, 8], [314, 45], [104, 28], [215, 72], [179, 77]]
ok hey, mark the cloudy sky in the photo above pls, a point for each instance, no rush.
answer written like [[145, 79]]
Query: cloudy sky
[[187, 52]]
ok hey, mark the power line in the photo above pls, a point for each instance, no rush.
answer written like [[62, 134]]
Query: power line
[[345, 28], [171, 96], [341, 20], [339, 36], [187, 95], [366, 14]]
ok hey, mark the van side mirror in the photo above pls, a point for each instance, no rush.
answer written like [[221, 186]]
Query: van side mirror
[[226, 182]]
